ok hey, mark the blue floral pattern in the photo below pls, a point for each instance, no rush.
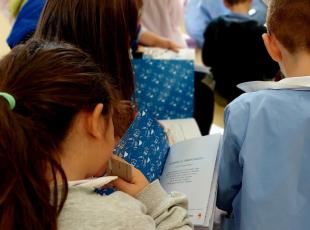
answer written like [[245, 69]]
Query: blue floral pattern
[[165, 87], [145, 146]]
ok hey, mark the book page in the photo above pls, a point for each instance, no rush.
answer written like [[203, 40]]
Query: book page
[[180, 129], [189, 169], [209, 220], [216, 129]]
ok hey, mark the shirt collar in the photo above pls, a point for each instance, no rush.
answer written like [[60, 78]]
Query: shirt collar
[[237, 17], [93, 182], [293, 83]]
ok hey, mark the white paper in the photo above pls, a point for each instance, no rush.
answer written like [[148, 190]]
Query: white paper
[[189, 169], [216, 129], [178, 130], [165, 54], [212, 198], [202, 69], [93, 182]]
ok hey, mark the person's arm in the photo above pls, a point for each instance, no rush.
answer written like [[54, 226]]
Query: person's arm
[[230, 173], [197, 17], [168, 210], [148, 38], [199, 14], [25, 23]]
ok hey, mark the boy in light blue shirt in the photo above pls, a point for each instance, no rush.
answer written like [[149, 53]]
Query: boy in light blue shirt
[[264, 170]]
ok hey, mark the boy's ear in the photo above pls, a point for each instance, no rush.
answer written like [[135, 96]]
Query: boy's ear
[[272, 47], [94, 123]]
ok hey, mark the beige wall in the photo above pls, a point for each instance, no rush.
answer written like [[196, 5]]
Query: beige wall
[[4, 31]]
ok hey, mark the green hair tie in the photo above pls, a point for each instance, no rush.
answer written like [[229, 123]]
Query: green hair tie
[[9, 98]]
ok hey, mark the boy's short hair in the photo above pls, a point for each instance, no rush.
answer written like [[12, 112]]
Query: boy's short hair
[[289, 21], [234, 2]]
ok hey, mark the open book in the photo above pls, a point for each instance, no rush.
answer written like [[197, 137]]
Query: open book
[[188, 166], [180, 129]]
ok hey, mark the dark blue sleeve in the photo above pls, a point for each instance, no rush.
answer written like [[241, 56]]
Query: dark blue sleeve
[[134, 42], [26, 22]]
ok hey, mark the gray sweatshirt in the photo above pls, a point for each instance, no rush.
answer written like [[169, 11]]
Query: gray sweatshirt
[[152, 209]]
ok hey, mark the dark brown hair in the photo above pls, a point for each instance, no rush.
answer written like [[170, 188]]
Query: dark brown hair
[[103, 28], [51, 83], [139, 4], [289, 21], [235, 2]]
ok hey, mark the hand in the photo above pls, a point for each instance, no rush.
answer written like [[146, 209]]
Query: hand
[[139, 182], [172, 46], [151, 39]]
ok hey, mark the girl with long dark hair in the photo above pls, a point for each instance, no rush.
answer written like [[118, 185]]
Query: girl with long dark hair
[[56, 128]]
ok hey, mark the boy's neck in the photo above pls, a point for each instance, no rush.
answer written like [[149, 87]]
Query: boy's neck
[[296, 65], [241, 8]]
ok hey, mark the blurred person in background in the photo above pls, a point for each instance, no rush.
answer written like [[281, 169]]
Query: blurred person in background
[[164, 18], [234, 49], [28, 17], [199, 13]]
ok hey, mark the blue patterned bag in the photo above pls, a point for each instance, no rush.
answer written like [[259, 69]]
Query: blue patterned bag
[[165, 87]]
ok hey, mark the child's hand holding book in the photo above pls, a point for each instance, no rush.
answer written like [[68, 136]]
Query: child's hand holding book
[[130, 180]]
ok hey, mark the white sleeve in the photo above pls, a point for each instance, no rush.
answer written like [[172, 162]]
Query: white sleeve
[[142, 30]]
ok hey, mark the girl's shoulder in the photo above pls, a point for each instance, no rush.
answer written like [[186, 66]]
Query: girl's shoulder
[[86, 209]]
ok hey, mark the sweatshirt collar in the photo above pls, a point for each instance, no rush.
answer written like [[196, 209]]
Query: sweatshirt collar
[[92, 183]]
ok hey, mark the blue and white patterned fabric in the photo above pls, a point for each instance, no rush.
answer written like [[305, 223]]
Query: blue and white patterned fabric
[[165, 87], [145, 146]]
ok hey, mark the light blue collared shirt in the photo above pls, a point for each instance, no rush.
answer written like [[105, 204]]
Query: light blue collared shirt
[[265, 159], [199, 13]]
